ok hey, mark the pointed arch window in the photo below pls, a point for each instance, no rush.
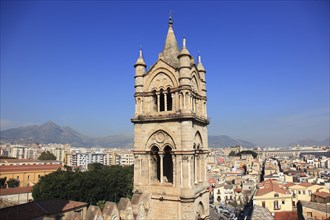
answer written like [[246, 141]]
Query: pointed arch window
[[169, 100], [161, 101], [155, 164], [168, 164]]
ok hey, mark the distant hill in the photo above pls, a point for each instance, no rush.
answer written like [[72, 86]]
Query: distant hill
[[125, 141], [53, 133], [226, 141], [46, 133]]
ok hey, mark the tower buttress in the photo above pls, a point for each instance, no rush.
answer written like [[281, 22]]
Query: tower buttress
[[184, 65], [202, 73], [140, 69]]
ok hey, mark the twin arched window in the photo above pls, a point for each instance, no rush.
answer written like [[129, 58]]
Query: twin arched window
[[163, 100], [162, 164]]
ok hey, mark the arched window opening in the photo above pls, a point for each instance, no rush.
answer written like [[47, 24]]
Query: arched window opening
[[200, 211], [161, 101], [155, 164], [168, 164], [169, 100]]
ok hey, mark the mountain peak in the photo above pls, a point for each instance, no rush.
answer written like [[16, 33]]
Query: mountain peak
[[50, 124]]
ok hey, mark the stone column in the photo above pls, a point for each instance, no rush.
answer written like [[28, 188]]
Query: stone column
[[174, 168], [149, 169], [158, 103], [165, 101], [204, 167], [181, 169], [200, 165], [189, 174], [161, 167], [184, 101], [195, 163], [140, 170]]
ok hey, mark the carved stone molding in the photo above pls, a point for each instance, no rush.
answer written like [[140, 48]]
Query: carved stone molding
[[160, 137]]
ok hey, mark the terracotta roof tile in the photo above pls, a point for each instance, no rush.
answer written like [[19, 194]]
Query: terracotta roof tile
[[323, 195], [21, 168], [289, 184], [18, 190], [306, 184], [56, 205], [289, 215], [314, 205], [38, 209], [269, 186]]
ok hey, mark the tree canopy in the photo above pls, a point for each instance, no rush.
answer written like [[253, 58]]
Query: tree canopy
[[13, 183], [2, 183], [108, 183], [47, 156], [254, 154]]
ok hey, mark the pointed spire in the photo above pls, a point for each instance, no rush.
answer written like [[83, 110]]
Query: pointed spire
[[200, 66], [171, 49], [140, 60]]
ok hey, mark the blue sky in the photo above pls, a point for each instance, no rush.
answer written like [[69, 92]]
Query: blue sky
[[72, 62]]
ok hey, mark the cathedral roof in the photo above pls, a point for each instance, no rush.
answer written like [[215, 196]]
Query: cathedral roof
[[171, 50]]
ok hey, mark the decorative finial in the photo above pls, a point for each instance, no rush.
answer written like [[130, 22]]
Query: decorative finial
[[140, 52], [199, 57], [170, 22], [184, 42]]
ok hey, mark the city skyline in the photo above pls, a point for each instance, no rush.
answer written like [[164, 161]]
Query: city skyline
[[267, 64]]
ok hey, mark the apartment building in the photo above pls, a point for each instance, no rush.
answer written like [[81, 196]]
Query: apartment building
[[27, 171], [274, 196]]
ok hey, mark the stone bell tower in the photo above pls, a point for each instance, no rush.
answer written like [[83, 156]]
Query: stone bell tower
[[170, 133]]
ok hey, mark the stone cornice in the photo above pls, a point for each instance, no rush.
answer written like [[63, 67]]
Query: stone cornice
[[170, 117]]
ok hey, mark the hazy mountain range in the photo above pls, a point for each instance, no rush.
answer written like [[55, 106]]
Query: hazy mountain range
[[53, 133]]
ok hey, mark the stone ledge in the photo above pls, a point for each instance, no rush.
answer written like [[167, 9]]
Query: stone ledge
[[170, 117]]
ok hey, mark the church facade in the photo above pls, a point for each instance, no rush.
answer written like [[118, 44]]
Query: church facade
[[170, 133]]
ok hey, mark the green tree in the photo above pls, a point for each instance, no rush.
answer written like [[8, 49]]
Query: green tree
[[13, 183], [101, 204], [108, 183], [47, 156], [95, 166], [2, 183], [232, 153], [254, 154]]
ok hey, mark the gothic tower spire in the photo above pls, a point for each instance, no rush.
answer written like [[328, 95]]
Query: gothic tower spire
[[171, 49], [170, 135]]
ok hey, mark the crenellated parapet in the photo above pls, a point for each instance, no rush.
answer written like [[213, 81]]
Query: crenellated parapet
[[136, 208]]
